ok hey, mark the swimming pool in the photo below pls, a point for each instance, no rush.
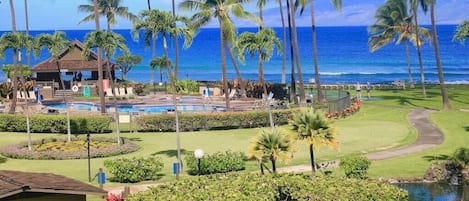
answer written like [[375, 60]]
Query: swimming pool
[[85, 106]]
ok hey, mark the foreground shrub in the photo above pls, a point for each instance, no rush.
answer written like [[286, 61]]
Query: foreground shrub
[[41, 123], [355, 166], [213, 121], [51, 151], [133, 170], [248, 186], [219, 162]]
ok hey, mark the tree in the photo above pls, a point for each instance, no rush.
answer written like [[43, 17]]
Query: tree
[[16, 41], [436, 48], [393, 21], [126, 62], [6, 45], [296, 51], [462, 32], [414, 4], [274, 145], [56, 44], [314, 128], [109, 8], [221, 10], [263, 43], [161, 63]]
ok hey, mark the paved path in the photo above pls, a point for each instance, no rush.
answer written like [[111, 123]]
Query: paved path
[[428, 137]]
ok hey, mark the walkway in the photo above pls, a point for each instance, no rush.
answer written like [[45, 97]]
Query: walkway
[[428, 137]]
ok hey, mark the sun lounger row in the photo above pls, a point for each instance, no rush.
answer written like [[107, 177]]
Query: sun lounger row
[[120, 92], [26, 95]]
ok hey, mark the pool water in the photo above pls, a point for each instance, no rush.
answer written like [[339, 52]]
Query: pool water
[[136, 108], [435, 191]]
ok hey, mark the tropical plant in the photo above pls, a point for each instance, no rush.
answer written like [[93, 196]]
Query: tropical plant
[[126, 62], [160, 63], [461, 155], [272, 145], [462, 32], [8, 69], [393, 21], [314, 128], [263, 43], [109, 8], [221, 10], [15, 41]]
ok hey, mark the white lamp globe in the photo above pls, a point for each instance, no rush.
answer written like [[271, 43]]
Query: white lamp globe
[[198, 153]]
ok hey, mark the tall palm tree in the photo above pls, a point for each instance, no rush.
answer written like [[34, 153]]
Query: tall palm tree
[[414, 4], [28, 55], [338, 5], [462, 32], [108, 8], [15, 67], [161, 63], [296, 49], [231, 50], [221, 10], [109, 42], [176, 44], [444, 91], [314, 128], [274, 145], [149, 24], [263, 43], [393, 21], [292, 53], [284, 42], [148, 3]]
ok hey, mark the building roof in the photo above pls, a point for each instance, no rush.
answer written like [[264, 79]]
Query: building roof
[[71, 61], [15, 182]]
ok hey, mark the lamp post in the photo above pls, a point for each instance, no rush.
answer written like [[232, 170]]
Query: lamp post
[[89, 161], [198, 154], [269, 100]]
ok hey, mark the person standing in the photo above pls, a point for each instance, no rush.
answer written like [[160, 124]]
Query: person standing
[[368, 89], [358, 89]]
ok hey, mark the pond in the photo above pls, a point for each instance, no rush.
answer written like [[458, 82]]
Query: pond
[[435, 191]]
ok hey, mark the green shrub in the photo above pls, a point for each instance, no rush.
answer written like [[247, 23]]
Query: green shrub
[[212, 121], [355, 166], [248, 186], [41, 123], [134, 169], [219, 162], [461, 155], [186, 86]]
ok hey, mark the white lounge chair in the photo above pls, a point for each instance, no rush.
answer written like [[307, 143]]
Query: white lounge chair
[[108, 92], [32, 95], [122, 92], [130, 91]]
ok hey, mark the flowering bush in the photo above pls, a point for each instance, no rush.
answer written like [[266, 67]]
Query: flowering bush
[[355, 106], [20, 151]]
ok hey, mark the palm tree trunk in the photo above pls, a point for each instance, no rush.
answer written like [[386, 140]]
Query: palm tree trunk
[[419, 54], [297, 53], [407, 54], [321, 98], [176, 47], [444, 92], [284, 45], [238, 73], [100, 67], [148, 3], [176, 113], [261, 166], [161, 76], [15, 67], [292, 62], [223, 65], [311, 155], [274, 168], [261, 76], [153, 56], [28, 53]]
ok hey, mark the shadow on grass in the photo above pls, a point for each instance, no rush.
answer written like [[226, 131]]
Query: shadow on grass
[[466, 128], [135, 139], [172, 152], [437, 158], [3, 160]]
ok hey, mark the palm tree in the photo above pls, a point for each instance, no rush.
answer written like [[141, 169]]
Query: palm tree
[[148, 3], [414, 4], [28, 55], [221, 10], [314, 128], [176, 44], [462, 32], [273, 146], [15, 52], [263, 43], [149, 24], [161, 63], [284, 42], [109, 42], [296, 50], [292, 53], [392, 20], [444, 92], [109, 8]]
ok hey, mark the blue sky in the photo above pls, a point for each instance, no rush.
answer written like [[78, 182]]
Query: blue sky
[[64, 15]]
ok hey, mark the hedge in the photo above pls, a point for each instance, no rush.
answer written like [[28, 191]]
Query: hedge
[[212, 121], [42, 123], [249, 186], [219, 162]]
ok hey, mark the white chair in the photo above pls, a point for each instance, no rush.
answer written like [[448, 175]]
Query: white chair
[[130, 91], [122, 92], [108, 92], [32, 95], [116, 91]]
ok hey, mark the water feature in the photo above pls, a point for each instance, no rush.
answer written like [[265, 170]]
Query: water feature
[[435, 191]]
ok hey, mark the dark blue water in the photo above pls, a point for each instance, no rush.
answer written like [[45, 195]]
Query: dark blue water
[[344, 57], [436, 192]]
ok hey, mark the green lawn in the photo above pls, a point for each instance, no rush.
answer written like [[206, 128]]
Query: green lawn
[[380, 124]]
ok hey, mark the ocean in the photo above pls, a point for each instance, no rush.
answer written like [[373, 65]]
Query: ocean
[[343, 55]]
